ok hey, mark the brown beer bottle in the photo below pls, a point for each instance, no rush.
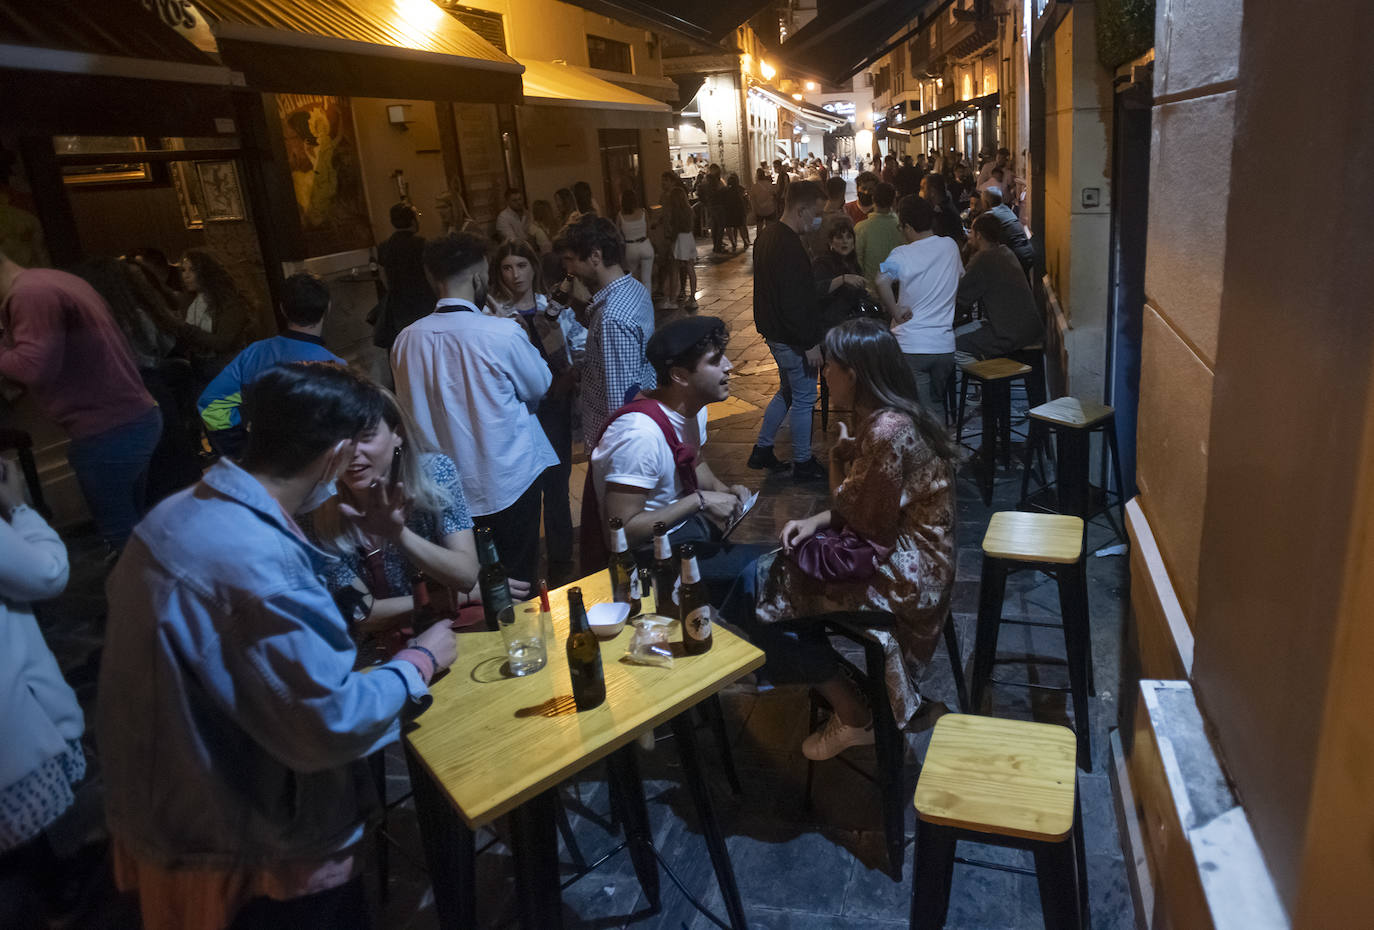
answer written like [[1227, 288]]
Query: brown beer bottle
[[694, 607], [491, 578], [624, 572], [665, 572], [584, 656], [422, 615]]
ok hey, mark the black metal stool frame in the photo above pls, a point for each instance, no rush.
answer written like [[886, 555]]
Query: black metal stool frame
[[889, 744], [1072, 481], [997, 431], [1073, 611]]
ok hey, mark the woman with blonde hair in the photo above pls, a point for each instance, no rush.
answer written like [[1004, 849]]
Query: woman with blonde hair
[[380, 551]]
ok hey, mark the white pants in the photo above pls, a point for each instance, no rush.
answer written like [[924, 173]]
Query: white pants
[[639, 261]]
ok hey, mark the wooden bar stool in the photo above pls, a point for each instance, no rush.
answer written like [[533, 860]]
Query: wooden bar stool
[[889, 745], [1053, 545], [995, 376], [1072, 422], [1007, 783]]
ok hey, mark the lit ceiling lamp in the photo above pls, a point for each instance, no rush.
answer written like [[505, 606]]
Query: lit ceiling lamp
[[812, 86], [806, 138], [767, 70], [797, 97]]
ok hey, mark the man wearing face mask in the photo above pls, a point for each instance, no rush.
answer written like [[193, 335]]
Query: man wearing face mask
[[787, 314], [473, 383], [234, 757]]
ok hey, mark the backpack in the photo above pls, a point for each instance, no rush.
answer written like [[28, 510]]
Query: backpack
[[593, 540]]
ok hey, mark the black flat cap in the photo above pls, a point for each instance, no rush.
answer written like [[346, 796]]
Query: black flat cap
[[671, 341]]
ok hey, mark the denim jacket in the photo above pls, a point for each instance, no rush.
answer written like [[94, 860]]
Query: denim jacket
[[233, 729]]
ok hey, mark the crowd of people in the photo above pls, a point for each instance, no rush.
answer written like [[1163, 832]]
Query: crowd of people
[[259, 635]]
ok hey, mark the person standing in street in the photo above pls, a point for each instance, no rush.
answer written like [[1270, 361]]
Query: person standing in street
[[473, 383], [876, 236], [60, 341], [514, 223], [927, 271], [408, 294], [787, 315], [620, 321]]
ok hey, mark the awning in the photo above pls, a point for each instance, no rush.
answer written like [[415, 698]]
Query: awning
[[411, 49], [73, 67], [705, 22], [552, 83], [954, 110], [810, 114], [836, 46]]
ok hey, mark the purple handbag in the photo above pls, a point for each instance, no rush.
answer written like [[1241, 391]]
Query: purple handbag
[[839, 555]]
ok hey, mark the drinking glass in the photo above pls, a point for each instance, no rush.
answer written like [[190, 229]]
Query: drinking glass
[[525, 638]]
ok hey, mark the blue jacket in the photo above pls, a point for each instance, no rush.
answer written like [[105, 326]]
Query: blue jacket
[[233, 729], [220, 401]]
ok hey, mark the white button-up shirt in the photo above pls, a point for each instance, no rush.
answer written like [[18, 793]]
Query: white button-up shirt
[[472, 383]]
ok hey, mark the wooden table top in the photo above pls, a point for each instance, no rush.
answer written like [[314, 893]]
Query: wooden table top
[[493, 741], [1007, 777], [995, 369]]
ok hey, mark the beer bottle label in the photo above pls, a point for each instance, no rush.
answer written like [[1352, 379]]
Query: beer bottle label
[[635, 593], [698, 624]]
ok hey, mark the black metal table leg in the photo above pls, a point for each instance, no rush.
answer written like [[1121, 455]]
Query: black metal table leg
[[450, 850], [627, 798], [1072, 472], [690, 754], [716, 716], [535, 839]]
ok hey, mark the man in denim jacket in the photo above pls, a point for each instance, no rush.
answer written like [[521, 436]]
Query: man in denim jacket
[[233, 728]]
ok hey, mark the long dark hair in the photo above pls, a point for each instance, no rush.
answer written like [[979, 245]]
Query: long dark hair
[[883, 379], [214, 281], [506, 250]]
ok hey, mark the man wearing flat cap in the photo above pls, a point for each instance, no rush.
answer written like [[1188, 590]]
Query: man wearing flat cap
[[647, 468]]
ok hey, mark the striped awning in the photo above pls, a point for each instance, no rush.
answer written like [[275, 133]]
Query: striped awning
[[412, 49]]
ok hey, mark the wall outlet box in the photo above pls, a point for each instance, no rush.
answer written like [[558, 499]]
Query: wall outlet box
[[1092, 197]]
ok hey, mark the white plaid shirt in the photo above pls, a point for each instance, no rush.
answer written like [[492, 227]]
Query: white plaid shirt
[[622, 320]]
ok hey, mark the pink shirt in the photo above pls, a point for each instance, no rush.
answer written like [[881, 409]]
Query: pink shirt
[[61, 342]]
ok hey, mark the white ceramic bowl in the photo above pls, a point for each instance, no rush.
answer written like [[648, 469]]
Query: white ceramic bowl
[[607, 620]]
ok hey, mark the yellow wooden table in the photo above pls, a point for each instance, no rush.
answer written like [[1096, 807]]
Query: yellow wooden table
[[493, 744]]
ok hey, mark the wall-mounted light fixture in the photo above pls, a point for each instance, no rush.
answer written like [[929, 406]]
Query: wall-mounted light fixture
[[398, 115], [767, 70]]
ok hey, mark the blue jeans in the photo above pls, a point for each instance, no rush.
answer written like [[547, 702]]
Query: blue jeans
[[112, 469], [796, 652], [795, 400]]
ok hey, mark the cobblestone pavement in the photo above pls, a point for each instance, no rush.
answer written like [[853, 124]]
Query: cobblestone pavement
[[797, 869]]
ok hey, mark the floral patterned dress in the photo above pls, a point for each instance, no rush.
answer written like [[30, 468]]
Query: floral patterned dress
[[898, 494]]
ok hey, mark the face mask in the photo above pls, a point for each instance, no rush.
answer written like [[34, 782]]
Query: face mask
[[816, 222], [317, 496]]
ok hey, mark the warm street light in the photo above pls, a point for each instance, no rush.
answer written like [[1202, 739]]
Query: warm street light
[[766, 70], [797, 97]]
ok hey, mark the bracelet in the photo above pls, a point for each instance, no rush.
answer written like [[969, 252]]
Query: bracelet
[[701, 500], [433, 662]]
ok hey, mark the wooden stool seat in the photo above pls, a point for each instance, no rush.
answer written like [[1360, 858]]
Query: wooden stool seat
[[1007, 777], [1071, 412], [1006, 783], [995, 369], [1034, 537]]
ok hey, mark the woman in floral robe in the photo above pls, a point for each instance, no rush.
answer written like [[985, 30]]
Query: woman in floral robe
[[892, 483]]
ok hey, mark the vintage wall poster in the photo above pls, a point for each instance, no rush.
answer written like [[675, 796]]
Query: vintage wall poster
[[326, 175]]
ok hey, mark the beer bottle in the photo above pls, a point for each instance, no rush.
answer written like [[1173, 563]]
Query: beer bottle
[[665, 572], [491, 578], [422, 615], [624, 572], [694, 608], [584, 656]]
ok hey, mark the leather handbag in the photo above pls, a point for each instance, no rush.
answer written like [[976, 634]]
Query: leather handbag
[[839, 555]]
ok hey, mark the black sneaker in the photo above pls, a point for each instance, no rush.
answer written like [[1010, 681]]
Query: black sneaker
[[810, 470], [763, 457]]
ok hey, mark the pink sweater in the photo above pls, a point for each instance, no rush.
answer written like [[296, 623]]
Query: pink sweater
[[61, 342]]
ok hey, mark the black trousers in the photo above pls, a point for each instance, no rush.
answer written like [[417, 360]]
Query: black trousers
[[342, 908], [555, 415], [516, 532]]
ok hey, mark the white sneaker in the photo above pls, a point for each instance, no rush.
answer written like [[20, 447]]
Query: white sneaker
[[834, 737]]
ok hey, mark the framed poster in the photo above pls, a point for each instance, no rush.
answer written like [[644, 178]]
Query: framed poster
[[118, 170], [221, 196], [326, 175], [187, 186]]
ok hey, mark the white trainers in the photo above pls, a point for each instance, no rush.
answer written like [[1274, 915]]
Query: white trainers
[[834, 737]]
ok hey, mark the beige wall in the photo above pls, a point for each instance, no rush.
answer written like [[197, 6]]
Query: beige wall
[[415, 150], [560, 145], [1078, 102], [546, 30], [1197, 45]]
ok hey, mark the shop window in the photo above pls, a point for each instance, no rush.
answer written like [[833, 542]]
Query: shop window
[[609, 55]]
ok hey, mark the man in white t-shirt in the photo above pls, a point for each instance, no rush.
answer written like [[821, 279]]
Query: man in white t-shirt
[[926, 271], [635, 476]]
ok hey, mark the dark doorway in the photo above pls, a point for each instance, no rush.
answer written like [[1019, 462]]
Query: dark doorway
[[1130, 219], [620, 166]]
